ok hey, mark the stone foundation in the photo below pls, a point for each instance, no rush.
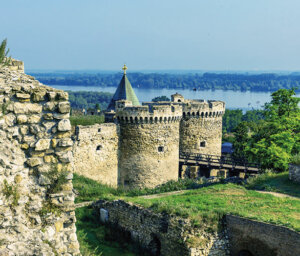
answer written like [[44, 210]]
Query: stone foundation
[[261, 239], [160, 234]]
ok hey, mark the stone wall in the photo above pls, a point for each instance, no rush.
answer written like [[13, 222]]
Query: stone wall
[[294, 172], [261, 239], [36, 216], [160, 234], [149, 145], [201, 127], [96, 152]]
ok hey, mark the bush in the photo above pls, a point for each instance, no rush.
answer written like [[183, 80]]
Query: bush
[[4, 60], [295, 159]]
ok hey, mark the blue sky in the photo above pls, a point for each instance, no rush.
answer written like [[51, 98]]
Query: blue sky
[[228, 35]]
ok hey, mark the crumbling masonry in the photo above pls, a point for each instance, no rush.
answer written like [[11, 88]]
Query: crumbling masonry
[[36, 215]]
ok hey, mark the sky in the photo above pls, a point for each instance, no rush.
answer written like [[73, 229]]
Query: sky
[[225, 35]]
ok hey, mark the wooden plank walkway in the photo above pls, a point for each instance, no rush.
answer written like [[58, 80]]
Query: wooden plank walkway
[[219, 162]]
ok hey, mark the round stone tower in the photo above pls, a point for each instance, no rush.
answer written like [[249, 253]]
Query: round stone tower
[[201, 127], [149, 144]]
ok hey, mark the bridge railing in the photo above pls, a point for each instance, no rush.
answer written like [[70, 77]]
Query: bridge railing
[[222, 160]]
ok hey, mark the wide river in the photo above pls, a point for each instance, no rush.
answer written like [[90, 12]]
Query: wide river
[[233, 99]]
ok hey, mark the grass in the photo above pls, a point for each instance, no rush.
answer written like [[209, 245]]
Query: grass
[[274, 182], [86, 120], [92, 236], [208, 204], [205, 205], [90, 190]]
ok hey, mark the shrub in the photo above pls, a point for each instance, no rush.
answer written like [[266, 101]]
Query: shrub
[[11, 191], [4, 60], [295, 159]]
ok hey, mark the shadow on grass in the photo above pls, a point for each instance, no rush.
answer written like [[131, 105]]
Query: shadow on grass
[[92, 236]]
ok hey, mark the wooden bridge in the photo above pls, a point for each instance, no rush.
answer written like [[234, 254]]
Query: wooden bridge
[[235, 166]]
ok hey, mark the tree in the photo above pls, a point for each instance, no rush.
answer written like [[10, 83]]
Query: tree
[[4, 60], [283, 103], [277, 137], [241, 140]]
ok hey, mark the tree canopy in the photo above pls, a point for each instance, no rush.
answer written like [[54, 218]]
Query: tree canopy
[[273, 140]]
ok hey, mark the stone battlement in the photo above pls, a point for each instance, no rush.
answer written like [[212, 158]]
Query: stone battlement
[[148, 113], [204, 109]]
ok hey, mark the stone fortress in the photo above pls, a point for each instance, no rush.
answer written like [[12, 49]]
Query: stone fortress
[[139, 145]]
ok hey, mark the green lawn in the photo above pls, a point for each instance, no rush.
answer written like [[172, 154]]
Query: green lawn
[[208, 204], [275, 182], [86, 120]]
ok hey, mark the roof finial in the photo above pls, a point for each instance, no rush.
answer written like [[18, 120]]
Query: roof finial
[[124, 69]]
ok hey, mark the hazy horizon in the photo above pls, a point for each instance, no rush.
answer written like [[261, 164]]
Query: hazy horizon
[[216, 35]]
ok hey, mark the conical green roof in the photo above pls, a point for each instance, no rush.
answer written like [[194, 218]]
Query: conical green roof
[[124, 92]]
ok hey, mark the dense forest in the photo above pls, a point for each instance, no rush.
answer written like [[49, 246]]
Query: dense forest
[[88, 100], [242, 82]]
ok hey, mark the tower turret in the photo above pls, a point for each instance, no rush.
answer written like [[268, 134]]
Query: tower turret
[[149, 144]]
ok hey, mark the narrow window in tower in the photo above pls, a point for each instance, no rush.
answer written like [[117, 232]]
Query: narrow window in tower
[[98, 147], [202, 144], [160, 149], [99, 130]]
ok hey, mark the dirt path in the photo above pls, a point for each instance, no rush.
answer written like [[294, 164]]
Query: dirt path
[[278, 194], [164, 194], [183, 191]]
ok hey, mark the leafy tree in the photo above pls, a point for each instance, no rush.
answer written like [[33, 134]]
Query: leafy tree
[[241, 140], [277, 138], [231, 119], [4, 60], [160, 98]]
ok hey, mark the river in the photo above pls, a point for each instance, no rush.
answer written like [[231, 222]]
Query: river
[[233, 99]]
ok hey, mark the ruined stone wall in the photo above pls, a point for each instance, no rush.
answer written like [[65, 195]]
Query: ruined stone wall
[[261, 239], [160, 234], [201, 127], [36, 215], [96, 152], [149, 146], [294, 173]]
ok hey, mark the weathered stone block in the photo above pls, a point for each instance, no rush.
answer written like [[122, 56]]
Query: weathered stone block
[[39, 95], [27, 108], [34, 161], [103, 215], [23, 96], [34, 119], [64, 107], [22, 119], [42, 144], [64, 125]]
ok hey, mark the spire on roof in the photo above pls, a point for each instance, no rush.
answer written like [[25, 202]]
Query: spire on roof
[[124, 69], [124, 92]]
